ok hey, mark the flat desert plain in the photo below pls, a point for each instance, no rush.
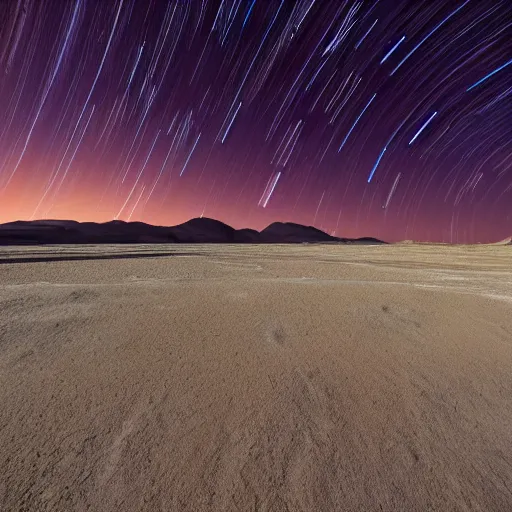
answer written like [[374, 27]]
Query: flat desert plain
[[266, 378]]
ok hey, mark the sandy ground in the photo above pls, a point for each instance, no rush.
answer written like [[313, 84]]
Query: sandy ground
[[284, 378]]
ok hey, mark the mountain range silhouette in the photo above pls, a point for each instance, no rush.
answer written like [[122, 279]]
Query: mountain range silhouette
[[197, 230]]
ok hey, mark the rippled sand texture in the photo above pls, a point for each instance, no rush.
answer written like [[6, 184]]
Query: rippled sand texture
[[265, 378]]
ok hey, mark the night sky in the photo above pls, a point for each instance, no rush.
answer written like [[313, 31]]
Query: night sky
[[381, 118]]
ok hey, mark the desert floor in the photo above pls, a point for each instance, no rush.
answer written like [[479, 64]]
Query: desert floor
[[298, 378]]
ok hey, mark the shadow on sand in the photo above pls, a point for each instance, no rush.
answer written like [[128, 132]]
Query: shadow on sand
[[85, 257]]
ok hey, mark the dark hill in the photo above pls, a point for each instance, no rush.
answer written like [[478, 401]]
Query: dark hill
[[203, 230], [247, 235], [289, 232]]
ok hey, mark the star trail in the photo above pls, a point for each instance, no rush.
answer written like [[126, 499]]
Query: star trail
[[364, 118]]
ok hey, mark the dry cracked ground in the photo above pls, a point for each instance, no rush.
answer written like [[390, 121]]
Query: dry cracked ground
[[266, 378]]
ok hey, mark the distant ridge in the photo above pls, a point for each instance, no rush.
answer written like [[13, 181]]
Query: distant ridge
[[279, 232], [506, 241], [197, 230]]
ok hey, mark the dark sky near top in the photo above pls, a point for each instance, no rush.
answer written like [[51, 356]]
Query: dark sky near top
[[383, 118]]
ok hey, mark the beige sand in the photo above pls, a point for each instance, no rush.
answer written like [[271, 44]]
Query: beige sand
[[310, 378]]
